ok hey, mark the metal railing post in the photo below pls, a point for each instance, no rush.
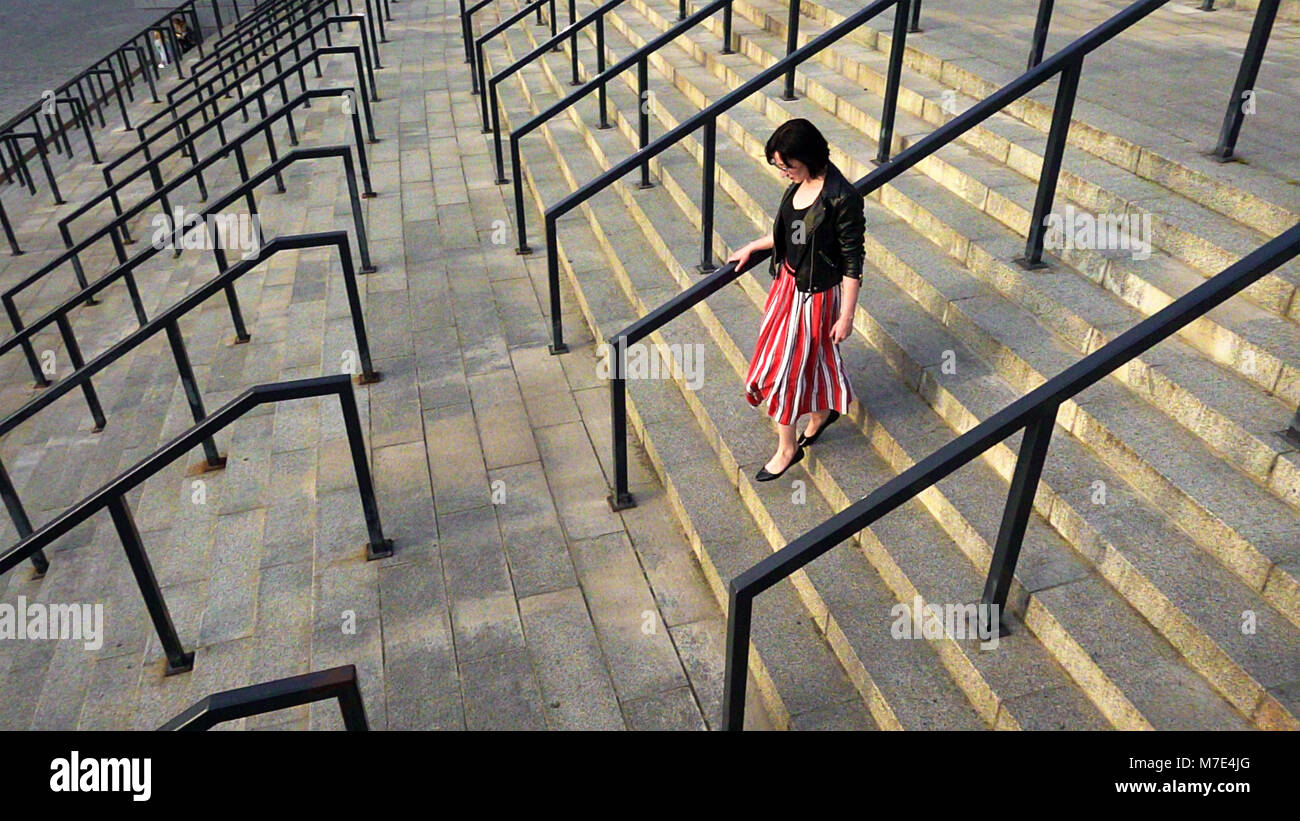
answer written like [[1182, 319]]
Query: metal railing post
[[1256, 44], [87, 387], [1051, 170], [884, 142], [178, 661], [1207, 5], [554, 23], [521, 230], [573, 44], [914, 25], [643, 117], [708, 170], [726, 31], [557, 345], [791, 43], [1292, 433], [18, 515], [9, 232], [681, 9], [467, 33], [42, 381], [1041, 25], [601, 93], [1015, 516], [377, 547], [740, 615], [192, 396], [621, 497]]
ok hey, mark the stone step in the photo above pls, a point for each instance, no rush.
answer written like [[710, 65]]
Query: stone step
[[1254, 197], [740, 433], [749, 176], [801, 682], [1262, 544], [1189, 231], [1227, 412], [78, 179]]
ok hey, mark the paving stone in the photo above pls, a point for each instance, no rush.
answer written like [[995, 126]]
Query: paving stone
[[571, 670]]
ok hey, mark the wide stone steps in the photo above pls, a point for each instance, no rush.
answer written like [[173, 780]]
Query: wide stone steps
[[1189, 231], [1277, 581], [1254, 197], [916, 694], [801, 683], [753, 321], [1261, 552], [1226, 411], [222, 560]]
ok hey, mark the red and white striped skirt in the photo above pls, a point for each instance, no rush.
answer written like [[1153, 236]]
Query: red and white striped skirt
[[796, 368]]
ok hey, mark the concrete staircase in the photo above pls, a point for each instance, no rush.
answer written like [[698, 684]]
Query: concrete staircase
[[223, 544], [1167, 517], [527, 614]]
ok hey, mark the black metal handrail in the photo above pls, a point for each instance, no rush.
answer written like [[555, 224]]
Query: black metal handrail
[[22, 335], [112, 496], [1067, 62], [228, 146], [88, 105], [240, 52], [706, 118], [182, 127], [1034, 413], [476, 69], [12, 140], [640, 59], [167, 321], [269, 20], [185, 8], [597, 17], [202, 104], [281, 694]]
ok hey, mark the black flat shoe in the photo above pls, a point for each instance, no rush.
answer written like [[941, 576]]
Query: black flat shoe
[[766, 476], [808, 440]]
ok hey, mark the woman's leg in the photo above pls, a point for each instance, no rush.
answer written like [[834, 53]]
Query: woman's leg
[[785, 449], [815, 420]]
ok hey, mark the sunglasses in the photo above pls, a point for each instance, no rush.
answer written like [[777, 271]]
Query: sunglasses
[[779, 166]]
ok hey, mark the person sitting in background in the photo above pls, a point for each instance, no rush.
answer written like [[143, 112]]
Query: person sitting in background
[[184, 37]]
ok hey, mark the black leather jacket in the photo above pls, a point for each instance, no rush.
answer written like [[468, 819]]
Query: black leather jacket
[[834, 225]]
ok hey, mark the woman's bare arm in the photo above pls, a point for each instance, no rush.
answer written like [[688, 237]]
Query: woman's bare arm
[[742, 254]]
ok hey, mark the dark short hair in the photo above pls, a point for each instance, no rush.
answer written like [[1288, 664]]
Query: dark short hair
[[800, 140]]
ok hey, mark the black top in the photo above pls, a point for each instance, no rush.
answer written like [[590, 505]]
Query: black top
[[796, 231]]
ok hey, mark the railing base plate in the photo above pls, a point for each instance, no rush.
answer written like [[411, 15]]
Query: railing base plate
[[1291, 436], [557, 349], [205, 466], [381, 551], [705, 269], [620, 501], [241, 340], [186, 665], [1024, 262], [1219, 156], [369, 269], [523, 252], [369, 378]]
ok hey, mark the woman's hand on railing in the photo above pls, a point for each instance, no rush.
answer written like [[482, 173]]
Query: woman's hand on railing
[[742, 254]]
